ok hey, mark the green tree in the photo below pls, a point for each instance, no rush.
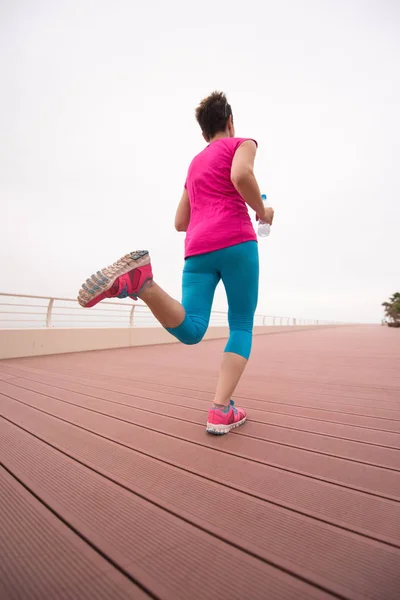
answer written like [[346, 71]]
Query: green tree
[[392, 310]]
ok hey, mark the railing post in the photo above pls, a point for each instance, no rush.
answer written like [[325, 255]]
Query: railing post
[[131, 316], [49, 311], [273, 322], [294, 321]]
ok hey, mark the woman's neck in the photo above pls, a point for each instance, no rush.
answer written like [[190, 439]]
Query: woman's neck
[[219, 136]]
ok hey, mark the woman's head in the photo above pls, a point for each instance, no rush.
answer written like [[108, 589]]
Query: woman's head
[[214, 115]]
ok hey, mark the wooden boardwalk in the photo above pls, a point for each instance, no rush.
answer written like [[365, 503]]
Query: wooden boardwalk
[[111, 489]]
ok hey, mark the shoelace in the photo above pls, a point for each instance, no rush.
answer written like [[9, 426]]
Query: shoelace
[[124, 292], [233, 406]]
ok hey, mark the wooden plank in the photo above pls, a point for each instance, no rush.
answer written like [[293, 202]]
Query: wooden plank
[[170, 557], [350, 450], [42, 558], [276, 535], [363, 477], [363, 513]]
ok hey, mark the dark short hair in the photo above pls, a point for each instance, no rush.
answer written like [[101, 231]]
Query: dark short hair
[[213, 113]]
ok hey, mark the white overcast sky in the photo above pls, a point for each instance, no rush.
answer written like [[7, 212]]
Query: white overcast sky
[[97, 131]]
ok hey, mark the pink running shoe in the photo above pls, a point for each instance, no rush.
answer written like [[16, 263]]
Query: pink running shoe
[[221, 422], [126, 277]]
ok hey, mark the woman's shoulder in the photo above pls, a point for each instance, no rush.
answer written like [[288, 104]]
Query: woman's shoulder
[[240, 140], [235, 142]]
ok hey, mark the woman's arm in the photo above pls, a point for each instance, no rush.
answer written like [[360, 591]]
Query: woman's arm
[[182, 217], [242, 176]]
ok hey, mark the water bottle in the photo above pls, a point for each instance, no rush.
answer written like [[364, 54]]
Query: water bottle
[[264, 229]]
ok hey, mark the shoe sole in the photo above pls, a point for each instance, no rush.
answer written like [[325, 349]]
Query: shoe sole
[[223, 429], [103, 280]]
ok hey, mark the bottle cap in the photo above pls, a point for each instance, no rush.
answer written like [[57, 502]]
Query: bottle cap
[[264, 196]]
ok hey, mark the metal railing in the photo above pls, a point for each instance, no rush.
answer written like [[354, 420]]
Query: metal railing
[[20, 311]]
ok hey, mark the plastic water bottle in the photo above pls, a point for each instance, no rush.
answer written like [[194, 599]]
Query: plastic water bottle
[[264, 229]]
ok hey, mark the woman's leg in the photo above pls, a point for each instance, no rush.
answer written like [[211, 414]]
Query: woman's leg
[[240, 272], [132, 276], [168, 312], [188, 321], [231, 370]]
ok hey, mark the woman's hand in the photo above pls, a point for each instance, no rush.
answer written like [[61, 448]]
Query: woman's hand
[[268, 215]]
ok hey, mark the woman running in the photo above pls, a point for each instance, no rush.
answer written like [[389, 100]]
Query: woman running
[[220, 244]]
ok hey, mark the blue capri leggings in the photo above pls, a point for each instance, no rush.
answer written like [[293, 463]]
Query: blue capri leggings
[[238, 268]]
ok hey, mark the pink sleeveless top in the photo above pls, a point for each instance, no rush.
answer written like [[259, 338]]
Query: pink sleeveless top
[[218, 214]]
